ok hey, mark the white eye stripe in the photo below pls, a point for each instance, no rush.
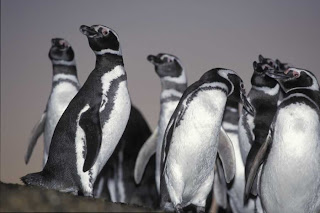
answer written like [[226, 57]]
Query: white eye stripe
[[168, 57]]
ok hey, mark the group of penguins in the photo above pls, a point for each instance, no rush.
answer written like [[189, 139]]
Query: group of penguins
[[214, 145]]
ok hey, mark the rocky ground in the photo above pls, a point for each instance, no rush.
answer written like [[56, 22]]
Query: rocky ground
[[20, 198]]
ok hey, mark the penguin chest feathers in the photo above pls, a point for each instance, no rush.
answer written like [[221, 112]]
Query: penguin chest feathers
[[193, 141]]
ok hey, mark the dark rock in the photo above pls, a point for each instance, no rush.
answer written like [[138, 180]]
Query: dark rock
[[14, 197]]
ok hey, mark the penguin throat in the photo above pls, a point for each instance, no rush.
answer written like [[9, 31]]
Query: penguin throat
[[167, 85], [63, 69], [108, 61]]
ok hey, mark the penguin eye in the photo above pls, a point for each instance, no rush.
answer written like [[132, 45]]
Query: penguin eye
[[242, 85], [169, 60], [296, 74], [104, 31]]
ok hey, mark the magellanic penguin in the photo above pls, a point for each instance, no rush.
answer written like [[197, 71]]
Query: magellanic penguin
[[264, 95], [289, 178], [65, 86], [174, 82], [232, 194], [116, 178], [93, 123], [193, 138]]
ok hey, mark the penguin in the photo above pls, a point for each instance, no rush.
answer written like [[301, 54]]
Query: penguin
[[264, 95], [286, 169], [116, 177], [194, 137], [173, 82], [65, 86], [231, 196], [93, 123]]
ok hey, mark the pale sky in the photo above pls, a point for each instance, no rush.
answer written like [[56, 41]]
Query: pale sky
[[203, 34]]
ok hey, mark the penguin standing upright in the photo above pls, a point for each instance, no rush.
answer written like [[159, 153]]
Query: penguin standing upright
[[264, 95], [193, 138], [289, 180], [93, 123], [174, 82], [65, 86], [116, 177]]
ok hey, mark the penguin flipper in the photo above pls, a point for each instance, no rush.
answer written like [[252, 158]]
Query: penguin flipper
[[259, 159], [147, 150], [227, 156], [35, 134], [220, 186], [90, 123]]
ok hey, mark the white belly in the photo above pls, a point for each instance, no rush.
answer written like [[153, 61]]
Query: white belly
[[290, 180], [167, 110], [59, 99], [112, 131], [192, 153]]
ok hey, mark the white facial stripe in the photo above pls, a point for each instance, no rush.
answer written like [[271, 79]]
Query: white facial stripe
[[224, 74], [101, 52], [267, 90], [300, 95], [63, 62], [170, 92], [182, 79]]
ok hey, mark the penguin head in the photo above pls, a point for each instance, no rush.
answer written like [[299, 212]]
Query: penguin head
[[236, 90], [102, 39], [167, 66], [268, 61], [61, 51], [282, 66], [295, 78], [259, 77]]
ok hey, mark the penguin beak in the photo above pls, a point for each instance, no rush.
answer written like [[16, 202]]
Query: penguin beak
[[154, 59], [246, 104], [88, 31], [276, 74]]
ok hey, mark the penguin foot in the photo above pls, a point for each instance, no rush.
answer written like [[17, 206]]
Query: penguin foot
[[179, 209]]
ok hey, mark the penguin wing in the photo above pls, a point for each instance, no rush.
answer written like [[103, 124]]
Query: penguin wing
[[259, 159], [220, 185], [147, 150], [168, 134], [35, 134], [90, 123], [227, 156]]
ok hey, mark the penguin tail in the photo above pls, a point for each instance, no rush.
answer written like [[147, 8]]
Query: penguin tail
[[34, 179]]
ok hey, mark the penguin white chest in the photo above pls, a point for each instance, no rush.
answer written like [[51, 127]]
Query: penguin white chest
[[293, 165], [192, 152], [59, 99]]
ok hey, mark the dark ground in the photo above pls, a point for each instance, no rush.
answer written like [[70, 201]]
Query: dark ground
[[17, 198]]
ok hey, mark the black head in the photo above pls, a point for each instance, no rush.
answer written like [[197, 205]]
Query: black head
[[295, 78], [166, 65], [61, 51], [236, 90], [282, 66], [102, 39], [259, 77], [268, 61]]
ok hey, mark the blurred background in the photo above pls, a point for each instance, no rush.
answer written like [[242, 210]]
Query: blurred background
[[203, 34]]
